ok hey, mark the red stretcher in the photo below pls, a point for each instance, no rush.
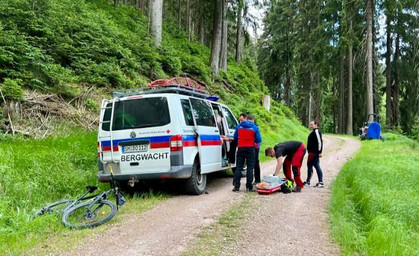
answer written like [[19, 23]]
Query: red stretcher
[[269, 185]]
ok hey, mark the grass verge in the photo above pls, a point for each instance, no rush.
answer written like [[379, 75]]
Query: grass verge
[[375, 200], [36, 172]]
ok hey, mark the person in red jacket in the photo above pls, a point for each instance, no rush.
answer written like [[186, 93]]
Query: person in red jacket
[[294, 152], [247, 134]]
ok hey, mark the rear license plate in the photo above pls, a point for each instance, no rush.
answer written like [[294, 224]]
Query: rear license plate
[[135, 148]]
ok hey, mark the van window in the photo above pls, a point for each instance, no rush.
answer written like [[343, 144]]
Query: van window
[[138, 113], [203, 113], [187, 112], [231, 121]]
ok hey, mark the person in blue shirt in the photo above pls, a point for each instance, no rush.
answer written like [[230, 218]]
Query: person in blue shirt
[[251, 118]]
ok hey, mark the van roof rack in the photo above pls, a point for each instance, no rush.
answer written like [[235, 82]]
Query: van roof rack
[[180, 85]]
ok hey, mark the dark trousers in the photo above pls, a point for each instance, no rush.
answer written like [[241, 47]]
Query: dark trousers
[[243, 154], [314, 160], [232, 152], [257, 166]]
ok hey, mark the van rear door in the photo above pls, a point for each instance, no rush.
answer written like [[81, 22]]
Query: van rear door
[[140, 138], [209, 140]]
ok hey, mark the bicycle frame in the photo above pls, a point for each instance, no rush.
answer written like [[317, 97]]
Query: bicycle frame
[[104, 195]]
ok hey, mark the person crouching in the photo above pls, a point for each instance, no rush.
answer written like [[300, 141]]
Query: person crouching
[[294, 152]]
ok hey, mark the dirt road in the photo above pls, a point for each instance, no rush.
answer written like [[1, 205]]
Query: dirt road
[[168, 228]]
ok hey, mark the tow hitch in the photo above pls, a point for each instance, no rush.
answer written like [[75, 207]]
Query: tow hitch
[[132, 181]]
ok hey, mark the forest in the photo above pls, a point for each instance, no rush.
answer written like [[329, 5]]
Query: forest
[[337, 61]]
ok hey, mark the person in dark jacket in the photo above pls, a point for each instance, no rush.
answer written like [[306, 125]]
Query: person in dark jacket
[[314, 148], [247, 134], [251, 118], [294, 152]]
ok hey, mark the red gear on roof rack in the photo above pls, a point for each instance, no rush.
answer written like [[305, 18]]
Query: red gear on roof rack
[[177, 80]]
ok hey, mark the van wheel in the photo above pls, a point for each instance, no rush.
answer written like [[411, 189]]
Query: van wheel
[[197, 183]]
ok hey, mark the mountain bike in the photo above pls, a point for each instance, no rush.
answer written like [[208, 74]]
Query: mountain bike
[[87, 211]]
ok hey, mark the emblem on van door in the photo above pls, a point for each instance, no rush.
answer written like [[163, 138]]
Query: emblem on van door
[[132, 135]]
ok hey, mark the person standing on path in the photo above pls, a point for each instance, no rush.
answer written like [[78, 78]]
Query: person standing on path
[[247, 134], [251, 118], [314, 148], [294, 152]]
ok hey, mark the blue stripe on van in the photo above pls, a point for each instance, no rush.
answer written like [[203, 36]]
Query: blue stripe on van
[[155, 139], [189, 137], [160, 141], [209, 137]]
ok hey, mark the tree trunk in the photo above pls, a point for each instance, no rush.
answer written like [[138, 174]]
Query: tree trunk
[[156, 12], [188, 19], [143, 4], [202, 24], [318, 98], [115, 3], [369, 17], [239, 31], [389, 107], [216, 37], [341, 94], [287, 86], [334, 105], [396, 86], [349, 127], [311, 102], [310, 107], [223, 51], [179, 13]]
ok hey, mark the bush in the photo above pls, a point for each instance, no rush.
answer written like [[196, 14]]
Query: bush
[[171, 63], [194, 66], [11, 89]]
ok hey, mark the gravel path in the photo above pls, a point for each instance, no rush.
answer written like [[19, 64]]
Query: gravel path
[[168, 228], [296, 223]]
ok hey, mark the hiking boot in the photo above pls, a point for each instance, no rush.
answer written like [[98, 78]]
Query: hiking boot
[[236, 189], [296, 190], [319, 185], [306, 183]]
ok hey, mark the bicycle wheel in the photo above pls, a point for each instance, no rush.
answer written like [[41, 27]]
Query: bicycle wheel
[[80, 216], [56, 207]]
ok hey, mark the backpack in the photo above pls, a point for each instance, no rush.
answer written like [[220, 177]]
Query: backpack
[[286, 187]]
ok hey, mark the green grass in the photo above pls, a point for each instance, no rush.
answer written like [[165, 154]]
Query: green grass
[[375, 200], [36, 172]]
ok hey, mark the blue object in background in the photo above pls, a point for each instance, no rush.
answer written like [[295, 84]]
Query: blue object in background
[[374, 131], [213, 98]]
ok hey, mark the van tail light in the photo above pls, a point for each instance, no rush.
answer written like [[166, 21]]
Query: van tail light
[[99, 149], [176, 143]]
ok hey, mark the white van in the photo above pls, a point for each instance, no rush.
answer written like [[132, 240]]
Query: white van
[[172, 131]]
